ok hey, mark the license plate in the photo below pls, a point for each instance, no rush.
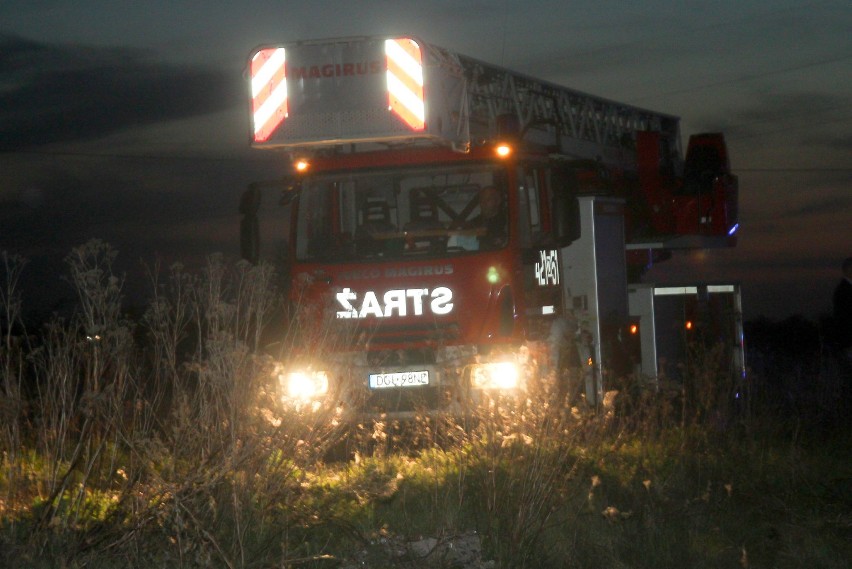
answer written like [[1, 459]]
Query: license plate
[[399, 379]]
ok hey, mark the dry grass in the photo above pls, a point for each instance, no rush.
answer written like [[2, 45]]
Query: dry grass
[[162, 442]]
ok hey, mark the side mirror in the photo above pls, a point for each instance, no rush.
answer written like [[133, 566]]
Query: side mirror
[[250, 200], [565, 208], [290, 188], [566, 219]]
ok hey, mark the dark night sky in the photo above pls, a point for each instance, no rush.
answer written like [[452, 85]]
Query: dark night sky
[[128, 121]]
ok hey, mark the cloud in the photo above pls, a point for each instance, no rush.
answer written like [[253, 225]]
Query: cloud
[[779, 114], [828, 205], [842, 142], [53, 93]]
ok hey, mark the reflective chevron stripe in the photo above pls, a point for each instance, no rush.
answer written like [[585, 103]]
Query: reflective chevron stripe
[[405, 81], [268, 91]]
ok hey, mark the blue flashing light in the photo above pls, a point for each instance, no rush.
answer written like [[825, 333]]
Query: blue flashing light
[[733, 229]]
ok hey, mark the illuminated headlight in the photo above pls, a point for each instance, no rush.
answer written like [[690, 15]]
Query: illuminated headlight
[[304, 385], [497, 375]]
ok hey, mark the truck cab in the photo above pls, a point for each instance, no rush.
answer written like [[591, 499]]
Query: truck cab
[[422, 276]]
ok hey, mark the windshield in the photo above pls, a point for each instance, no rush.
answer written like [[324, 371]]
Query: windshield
[[401, 213]]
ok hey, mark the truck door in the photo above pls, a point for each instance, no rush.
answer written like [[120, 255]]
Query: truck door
[[538, 250]]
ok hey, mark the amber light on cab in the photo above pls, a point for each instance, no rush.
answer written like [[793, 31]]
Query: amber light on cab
[[503, 150]]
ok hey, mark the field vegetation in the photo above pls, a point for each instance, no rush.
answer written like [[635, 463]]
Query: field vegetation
[[160, 440]]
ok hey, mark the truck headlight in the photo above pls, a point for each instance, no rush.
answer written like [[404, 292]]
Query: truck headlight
[[304, 385], [496, 375]]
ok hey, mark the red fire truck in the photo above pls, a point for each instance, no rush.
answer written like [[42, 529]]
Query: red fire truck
[[454, 226]]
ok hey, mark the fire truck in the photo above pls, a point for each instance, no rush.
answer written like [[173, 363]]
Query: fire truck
[[456, 228]]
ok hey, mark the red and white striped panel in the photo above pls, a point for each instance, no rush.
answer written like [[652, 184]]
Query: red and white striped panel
[[268, 91], [405, 81]]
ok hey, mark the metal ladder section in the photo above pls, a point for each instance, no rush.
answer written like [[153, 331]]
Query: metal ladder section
[[579, 125]]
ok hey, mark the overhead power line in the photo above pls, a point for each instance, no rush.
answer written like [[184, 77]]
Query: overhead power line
[[117, 156], [652, 35], [749, 77]]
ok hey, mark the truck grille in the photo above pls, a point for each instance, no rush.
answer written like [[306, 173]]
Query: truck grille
[[387, 334]]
